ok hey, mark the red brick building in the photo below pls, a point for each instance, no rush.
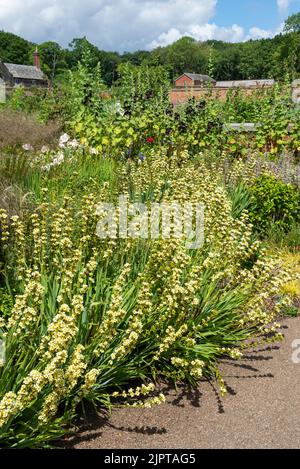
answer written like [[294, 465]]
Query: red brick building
[[191, 85], [193, 79]]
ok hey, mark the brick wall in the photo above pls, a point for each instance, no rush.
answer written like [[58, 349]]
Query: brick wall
[[184, 81], [179, 95]]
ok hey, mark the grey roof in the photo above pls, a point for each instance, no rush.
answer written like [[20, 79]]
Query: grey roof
[[244, 83], [29, 72], [197, 77]]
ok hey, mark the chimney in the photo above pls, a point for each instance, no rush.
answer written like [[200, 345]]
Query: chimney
[[36, 59]]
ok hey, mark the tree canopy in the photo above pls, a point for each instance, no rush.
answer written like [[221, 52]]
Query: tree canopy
[[292, 24], [254, 59]]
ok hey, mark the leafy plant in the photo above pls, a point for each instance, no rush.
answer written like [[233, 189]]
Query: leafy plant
[[274, 203]]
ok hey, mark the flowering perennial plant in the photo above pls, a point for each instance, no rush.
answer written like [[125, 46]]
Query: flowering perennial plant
[[93, 316]]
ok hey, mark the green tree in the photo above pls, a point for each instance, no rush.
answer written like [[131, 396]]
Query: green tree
[[14, 49], [109, 64], [52, 57], [227, 64], [292, 24], [286, 57], [80, 48]]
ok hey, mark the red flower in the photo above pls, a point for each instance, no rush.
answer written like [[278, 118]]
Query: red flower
[[150, 140]]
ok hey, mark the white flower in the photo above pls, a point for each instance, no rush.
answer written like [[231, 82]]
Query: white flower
[[58, 160], [44, 149], [63, 140], [73, 143], [119, 109], [93, 151], [27, 147]]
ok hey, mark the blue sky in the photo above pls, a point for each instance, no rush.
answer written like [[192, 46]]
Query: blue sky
[[264, 14], [144, 24]]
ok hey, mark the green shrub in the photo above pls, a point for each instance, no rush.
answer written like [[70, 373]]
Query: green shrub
[[274, 203]]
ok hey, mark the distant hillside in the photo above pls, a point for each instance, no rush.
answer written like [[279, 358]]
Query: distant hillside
[[14, 49], [254, 59]]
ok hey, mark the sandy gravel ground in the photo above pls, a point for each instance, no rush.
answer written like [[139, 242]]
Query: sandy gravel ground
[[262, 409]]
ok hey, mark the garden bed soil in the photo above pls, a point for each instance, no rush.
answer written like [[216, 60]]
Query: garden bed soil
[[261, 410]]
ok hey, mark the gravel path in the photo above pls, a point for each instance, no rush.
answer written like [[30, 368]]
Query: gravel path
[[262, 409]]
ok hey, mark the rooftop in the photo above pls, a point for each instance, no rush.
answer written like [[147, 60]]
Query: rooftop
[[29, 72], [244, 83], [197, 77]]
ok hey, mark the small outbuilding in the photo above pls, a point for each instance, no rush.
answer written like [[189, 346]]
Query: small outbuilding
[[23, 75], [193, 79]]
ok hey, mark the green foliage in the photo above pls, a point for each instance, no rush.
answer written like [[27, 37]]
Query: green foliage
[[14, 49], [292, 24], [17, 99], [240, 199], [76, 96], [81, 49], [284, 237], [274, 203], [93, 316], [85, 87], [6, 303], [254, 59], [143, 85], [30, 103], [292, 311], [53, 59]]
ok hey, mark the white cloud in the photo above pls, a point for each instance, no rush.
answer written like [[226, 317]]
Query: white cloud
[[283, 5], [165, 39], [211, 31], [120, 24], [258, 33], [208, 31]]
